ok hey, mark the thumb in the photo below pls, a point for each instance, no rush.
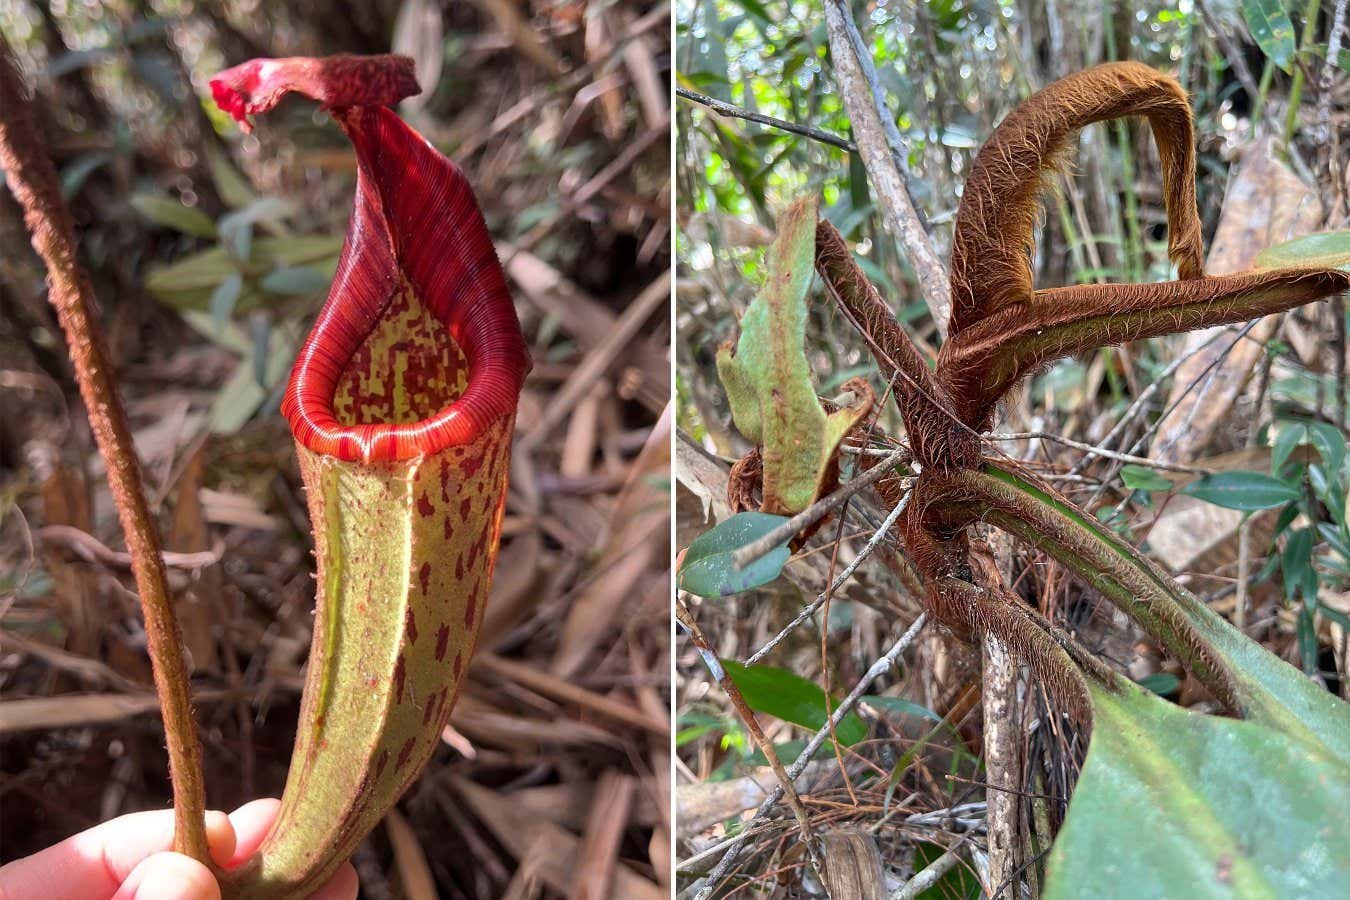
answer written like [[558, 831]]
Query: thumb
[[169, 876]]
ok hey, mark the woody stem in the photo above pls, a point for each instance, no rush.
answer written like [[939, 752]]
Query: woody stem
[[33, 180]]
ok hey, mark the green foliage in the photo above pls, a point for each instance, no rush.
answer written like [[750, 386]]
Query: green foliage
[[1270, 27], [1142, 478], [1171, 803], [170, 213], [900, 707], [792, 698], [707, 568], [245, 293], [768, 378], [1326, 248], [1246, 491]]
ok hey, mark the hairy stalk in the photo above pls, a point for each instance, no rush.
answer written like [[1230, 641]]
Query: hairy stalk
[[1237, 671], [994, 225], [34, 182], [990, 357], [936, 437]]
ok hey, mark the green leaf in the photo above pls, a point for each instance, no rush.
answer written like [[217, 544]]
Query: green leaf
[[233, 188], [1329, 249], [78, 171], [1272, 30], [1296, 565], [294, 280], [1160, 683], [768, 378], [1307, 639], [1330, 444], [900, 706], [1270, 691], [1290, 436], [792, 698], [189, 283], [224, 298], [707, 568], [236, 228], [1242, 490], [170, 213], [1175, 804], [1142, 478]]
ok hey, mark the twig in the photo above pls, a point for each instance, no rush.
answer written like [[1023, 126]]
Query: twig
[[898, 207], [1152, 429], [90, 548], [727, 109], [733, 848], [1231, 53], [1154, 386], [1098, 451], [892, 131], [598, 360], [762, 742], [783, 533], [32, 178], [1324, 89], [809, 610], [929, 876], [564, 691]]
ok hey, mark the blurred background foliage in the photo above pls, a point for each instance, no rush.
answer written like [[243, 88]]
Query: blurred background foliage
[[210, 252]]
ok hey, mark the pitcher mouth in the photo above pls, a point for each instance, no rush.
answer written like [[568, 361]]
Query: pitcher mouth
[[417, 347], [416, 245], [481, 386]]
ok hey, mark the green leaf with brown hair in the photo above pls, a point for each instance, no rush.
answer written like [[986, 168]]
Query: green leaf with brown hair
[[768, 378]]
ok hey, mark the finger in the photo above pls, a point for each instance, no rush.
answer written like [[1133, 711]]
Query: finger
[[342, 886], [94, 863], [169, 876], [250, 824]]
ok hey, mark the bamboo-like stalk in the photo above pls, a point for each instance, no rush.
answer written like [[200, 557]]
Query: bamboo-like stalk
[[33, 179]]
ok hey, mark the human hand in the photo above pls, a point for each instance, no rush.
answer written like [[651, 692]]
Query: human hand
[[129, 858]]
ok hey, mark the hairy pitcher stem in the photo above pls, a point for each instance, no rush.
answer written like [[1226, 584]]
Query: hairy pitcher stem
[[33, 179]]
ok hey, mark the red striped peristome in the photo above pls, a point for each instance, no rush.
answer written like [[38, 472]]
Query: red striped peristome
[[415, 221]]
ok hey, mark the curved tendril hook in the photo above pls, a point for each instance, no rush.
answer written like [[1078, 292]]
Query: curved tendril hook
[[1002, 329]]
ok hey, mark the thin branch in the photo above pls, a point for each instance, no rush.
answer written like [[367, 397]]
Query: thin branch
[[892, 131], [33, 179], [1140, 402], [783, 533], [1324, 88], [91, 549], [733, 848], [727, 109], [902, 219], [810, 609], [928, 876], [762, 742], [1098, 451]]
